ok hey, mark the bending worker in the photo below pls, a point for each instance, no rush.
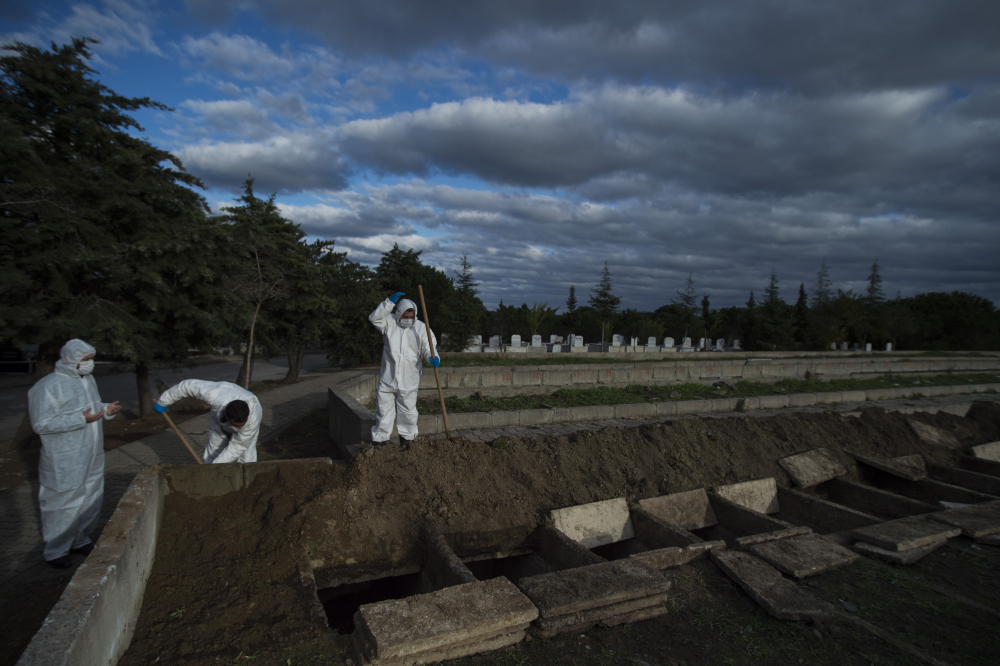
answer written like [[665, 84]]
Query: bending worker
[[404, 343], [233, 422], [67, 413]]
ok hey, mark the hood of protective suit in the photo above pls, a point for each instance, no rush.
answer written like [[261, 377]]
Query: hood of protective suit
[[402, 306], [72, 353]]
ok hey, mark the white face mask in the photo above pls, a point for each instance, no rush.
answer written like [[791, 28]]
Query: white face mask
[[406, 323], [86, 367]]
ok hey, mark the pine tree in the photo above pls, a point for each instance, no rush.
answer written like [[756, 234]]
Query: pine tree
[[468, 313], [571, 301], [604, 302], [686, 298], [771, 293], [874, 294], [822, 288], [802, 317]]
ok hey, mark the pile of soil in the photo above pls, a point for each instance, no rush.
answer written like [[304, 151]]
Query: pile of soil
[[226, 578]]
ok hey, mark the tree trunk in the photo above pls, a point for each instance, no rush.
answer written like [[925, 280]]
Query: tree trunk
[[142, 384], [295, 362]]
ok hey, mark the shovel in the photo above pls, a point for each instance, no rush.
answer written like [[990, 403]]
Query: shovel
[[437, 377], [183, 438]]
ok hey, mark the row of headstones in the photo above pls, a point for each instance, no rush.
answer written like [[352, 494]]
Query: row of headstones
[[857, 347], [616, 341]]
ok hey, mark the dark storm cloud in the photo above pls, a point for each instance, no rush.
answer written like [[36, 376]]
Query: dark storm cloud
[[906, 149], [851, 44]]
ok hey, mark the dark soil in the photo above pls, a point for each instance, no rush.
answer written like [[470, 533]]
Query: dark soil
[[225, 583]]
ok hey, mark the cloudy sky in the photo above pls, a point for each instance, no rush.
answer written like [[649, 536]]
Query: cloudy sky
[[722, 139]]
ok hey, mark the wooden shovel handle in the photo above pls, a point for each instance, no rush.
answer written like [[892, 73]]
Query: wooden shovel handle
[[183, 438], [437, 377]]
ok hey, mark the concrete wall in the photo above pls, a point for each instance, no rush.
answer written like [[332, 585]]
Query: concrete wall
[[350, 421], [94, 619], [515, 380]]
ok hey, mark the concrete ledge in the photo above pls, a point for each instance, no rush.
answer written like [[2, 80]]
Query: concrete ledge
[[94, 619], [351, 422]]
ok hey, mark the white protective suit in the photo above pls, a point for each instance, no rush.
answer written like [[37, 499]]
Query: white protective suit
[[399, 378], [71, 466], [225, 443]]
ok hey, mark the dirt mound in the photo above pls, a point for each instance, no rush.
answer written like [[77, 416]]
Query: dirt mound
[[225, 577]]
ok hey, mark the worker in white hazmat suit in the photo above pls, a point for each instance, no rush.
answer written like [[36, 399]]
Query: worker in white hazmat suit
[[404, 343], [233, 422], [67, 413]]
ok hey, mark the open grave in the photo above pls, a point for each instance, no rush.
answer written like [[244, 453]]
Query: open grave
[[445, 548]]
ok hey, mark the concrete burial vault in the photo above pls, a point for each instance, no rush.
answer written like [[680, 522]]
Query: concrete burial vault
[[587, 565]]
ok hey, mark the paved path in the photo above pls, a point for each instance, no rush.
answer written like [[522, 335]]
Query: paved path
[[20, 529]]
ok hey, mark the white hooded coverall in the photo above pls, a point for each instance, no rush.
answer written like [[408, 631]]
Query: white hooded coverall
[[399, 378], [225, 443], [71, 466]]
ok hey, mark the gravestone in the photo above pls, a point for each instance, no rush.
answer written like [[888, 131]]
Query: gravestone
[[868, 346], [668, 342], [515, 341], [701, 343], [495, 342], [552, 339], [536, 341], [843, 346], [617, 340], [577, 340], [686, 343], [888, 346], [720, 344], [635, 342], [476, 344], [736, 345], [833, 346], [651, 342]]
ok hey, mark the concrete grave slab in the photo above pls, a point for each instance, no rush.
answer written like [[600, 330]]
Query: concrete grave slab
[[760, 495], [575, 590], [911, 556], [906, 533], [363, 654], [595, 524], [975, 521], [452, 616], [933, 435], [989, 451], [812, 467], [666, 558], [776, 594], [746, 542], [690, 510], [983, 483], [910, 471], [914, 464], [990, 540], [639, 615], [805, 555], [591, 617]]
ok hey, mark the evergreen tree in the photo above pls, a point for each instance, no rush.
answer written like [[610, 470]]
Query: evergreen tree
[[874, 294], [102, 237], [468, 311], [706, 315], [571, 301], [774, 321], [686, 306], [351, 339], [801, 319], [604, 302], [822, 288]]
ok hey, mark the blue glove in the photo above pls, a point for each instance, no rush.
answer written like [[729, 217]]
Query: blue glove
[[395, 297], [435, 362], [159, 408]]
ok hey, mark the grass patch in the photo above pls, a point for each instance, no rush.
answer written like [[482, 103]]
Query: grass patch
[[638, 393]]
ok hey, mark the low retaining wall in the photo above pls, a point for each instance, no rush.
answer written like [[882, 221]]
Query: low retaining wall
[[516, 380], [351, 422], [94, 619]]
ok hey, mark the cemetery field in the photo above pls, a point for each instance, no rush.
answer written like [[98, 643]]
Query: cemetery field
[[488, 359], [639, 393]]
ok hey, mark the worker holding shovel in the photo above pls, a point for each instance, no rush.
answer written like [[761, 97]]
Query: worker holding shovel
[[405, 340], [233, 422]]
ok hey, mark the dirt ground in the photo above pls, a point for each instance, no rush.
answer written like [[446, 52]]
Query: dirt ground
[[225, 585]]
